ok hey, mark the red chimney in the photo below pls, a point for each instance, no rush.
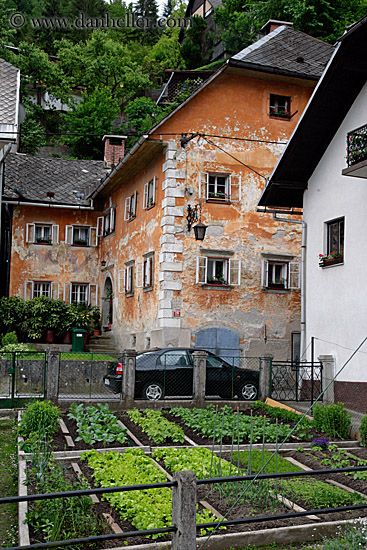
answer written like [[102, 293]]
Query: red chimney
[[114, 147], [273, 24]]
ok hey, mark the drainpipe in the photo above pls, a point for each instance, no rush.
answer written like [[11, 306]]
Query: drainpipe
[[303, 277]]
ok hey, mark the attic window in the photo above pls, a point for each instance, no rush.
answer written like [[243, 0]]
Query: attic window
[[280, 106]]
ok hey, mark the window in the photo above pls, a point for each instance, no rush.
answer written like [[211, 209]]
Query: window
[[106, 224], [144, 272], [42, 233], [335, 238], [41, 289], [218, 271], [280, 106], [79, 293], [149, 194], [279, 273], [126, 279], [35, 289], [130, 207], [220, 187], [81, 235]]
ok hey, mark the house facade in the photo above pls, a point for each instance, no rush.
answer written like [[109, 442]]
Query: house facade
[[238, 290], [327, 178], [235, 293]]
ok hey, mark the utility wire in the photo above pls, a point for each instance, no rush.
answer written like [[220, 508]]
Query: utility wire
[[234, 158], [282, 443], [335, 344]]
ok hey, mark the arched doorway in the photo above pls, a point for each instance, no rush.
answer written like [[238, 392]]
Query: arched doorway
[[221, 341], [107, 303]]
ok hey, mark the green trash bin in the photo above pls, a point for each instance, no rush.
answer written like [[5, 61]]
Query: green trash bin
[[78, 335]]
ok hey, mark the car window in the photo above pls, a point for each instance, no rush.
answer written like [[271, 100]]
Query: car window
[[213, 361], [174, 358]]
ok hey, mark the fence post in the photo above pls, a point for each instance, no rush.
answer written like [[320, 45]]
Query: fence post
[[184, 511], [265, 376], [128, 379], [52, 375], [328, 373], [199, 378]]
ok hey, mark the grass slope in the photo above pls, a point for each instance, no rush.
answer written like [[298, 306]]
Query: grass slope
[[8, 481]]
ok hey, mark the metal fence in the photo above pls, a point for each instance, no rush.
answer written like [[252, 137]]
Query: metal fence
[[290, 381], [81, 376], [22, 377]]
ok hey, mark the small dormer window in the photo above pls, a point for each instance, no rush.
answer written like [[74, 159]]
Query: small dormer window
[[280, 106]]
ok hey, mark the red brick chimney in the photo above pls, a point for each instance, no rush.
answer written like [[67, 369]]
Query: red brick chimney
[[114, 147], [273, 24]]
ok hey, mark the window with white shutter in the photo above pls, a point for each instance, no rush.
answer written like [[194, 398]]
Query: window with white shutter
[[130, 207], [148, 271], [280, 274], [218, 187], [129, 278], [218, 270], [149, 194]]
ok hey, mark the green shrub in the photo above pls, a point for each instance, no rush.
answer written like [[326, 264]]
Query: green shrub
[[9, 338], [334, 420], [40, 417], [363, 431]]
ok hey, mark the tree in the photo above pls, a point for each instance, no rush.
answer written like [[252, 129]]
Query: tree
[[102, 63], [147, 9], [32, 132], [7, 34], [165, 54], [198, 45], [90, 120]]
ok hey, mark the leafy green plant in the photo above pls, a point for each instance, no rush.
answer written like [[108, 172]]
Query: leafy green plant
[[96, 424], [9, 338], [157, 428], [40, 418], [363, 431], [147, 508], [334, 420], [317, 494]]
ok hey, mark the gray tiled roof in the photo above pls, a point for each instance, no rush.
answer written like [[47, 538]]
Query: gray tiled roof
[[8, 93], [289, 50], [33, 177]]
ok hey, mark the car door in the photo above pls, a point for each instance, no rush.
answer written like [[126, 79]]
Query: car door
[[177, 370], [218, 377]]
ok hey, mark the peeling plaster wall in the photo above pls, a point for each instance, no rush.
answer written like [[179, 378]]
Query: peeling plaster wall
[[177, 307], [57, 262]]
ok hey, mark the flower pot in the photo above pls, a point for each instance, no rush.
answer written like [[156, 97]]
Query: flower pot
[[50, 336], [97, 332], [67, 338]]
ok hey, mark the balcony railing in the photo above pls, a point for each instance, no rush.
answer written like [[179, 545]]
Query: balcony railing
[[357, 145]]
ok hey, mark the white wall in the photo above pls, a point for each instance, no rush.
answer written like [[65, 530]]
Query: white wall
[[336, 297]]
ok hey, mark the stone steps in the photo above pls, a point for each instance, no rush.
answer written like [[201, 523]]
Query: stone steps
[[103, 344]]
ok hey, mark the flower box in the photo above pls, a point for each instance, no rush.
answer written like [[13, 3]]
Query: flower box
[[39, 240], [325, 262]]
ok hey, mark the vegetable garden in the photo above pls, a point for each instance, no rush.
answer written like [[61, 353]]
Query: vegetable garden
[[93, 447]]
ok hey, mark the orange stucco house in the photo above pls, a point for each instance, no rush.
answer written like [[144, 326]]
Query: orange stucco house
[[238, 290]]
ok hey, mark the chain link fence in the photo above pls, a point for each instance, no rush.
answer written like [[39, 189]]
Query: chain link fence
[[22, 377], [81, 376], [232, 377]]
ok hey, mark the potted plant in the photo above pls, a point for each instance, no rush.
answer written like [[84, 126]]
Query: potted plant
[[217, 280], [81, 242], [330, 259], [96, 319], [43, 240]]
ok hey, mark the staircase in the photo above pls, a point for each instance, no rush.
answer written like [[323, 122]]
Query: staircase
[[103, 344]]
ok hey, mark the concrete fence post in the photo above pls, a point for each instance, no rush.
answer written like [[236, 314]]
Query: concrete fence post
[[128, 379], [184, 511], [328, 373], [265, 376], [199, 378], [52, 375]]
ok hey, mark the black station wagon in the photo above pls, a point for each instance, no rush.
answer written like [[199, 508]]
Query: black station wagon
[[169, 373]]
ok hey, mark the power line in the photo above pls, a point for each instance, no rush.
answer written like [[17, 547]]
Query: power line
[[339, 345], [234, 158]]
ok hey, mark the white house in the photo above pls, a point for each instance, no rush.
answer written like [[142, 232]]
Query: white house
[[324, 170]]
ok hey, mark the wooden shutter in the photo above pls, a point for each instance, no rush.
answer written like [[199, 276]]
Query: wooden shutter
[[55, 290], [145, 197], [28, 290], [203, 185], [69, 234], [127, 208], [100, 226], [112, 219], [201, 269], [30, 233], [264, 273], [234, 188], [234, 271], [133, 205], [153, 191], [67, 292], [55, 234], [92, 236], [93, 288], [294, 275], [139, 275]]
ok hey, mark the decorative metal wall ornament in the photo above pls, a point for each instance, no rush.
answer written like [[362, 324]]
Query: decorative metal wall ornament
[[194, 215]]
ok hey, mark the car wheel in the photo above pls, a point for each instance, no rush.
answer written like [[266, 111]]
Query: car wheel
[[248, 392], [153, 391]]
